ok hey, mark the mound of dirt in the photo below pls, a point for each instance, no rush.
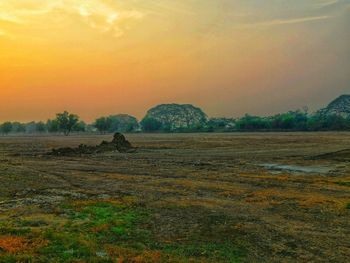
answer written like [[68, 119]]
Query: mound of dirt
[[119, 143], [343, 155]]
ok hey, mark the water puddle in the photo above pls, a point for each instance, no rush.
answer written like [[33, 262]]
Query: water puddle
[[297, 168]]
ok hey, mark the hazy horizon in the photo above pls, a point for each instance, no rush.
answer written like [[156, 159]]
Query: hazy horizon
[[139, 118], [228, 57]]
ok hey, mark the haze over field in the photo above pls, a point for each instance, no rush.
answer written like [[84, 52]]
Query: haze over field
[[230, 57]]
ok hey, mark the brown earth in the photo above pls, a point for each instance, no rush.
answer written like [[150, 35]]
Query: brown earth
[[215, 186], [119, 143]]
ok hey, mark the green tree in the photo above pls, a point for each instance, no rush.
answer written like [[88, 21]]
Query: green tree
[[123, 123], [52, 125], [80, 127], [151, 124], [103, 124], [6, 127], [66, 122], [253, 123], [335, 123], [31, 127], [221, 124], [18, 127], [40, 127]]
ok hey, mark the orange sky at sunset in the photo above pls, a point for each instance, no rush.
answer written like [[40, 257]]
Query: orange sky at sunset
[[230, 57]]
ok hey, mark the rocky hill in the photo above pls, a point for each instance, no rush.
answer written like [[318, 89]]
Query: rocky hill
[[340, 107], [173, 117]]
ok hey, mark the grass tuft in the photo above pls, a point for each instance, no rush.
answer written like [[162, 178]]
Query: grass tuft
[[343, 183]]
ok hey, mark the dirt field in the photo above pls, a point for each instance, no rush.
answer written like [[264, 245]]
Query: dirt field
[[264, 197]]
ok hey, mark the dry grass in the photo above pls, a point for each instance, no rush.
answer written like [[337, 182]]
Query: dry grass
[[15, 244], [199, 188]]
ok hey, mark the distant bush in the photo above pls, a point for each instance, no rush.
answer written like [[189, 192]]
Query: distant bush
[[185, 118], [124, 123], [253, 123], [18, 127], [151, 125], [52, 126], [40, 127], [343, 183], [328, 123], [293, 121], [6, 127], [103, 124], [80, 127], [66, 122], [221, 124]]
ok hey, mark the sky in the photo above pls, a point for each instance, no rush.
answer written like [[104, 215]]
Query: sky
[[229, 57]]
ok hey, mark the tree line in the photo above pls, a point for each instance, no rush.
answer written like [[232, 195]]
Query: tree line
[[67, 123], [63, 123], [299, 120], [294, 121]]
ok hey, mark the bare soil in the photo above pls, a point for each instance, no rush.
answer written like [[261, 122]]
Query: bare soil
[[199, 188]]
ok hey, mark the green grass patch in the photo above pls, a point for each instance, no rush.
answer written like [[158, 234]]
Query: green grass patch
[[218, 252], [8, 259], [7, 228], [65, 246], [93, 226], [343, 183], [348, 206], [109, 231]]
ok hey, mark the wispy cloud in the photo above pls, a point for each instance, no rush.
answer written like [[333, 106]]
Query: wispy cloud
[[97, 14], [105, 18], [277, 22], [6, 34], [8, 17], [162, 7], [326, 3]]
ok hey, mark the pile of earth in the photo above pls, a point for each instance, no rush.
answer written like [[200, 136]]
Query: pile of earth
[[119, 143]]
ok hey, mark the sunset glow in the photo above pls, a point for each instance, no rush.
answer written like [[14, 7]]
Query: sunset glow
[[98, 57]]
